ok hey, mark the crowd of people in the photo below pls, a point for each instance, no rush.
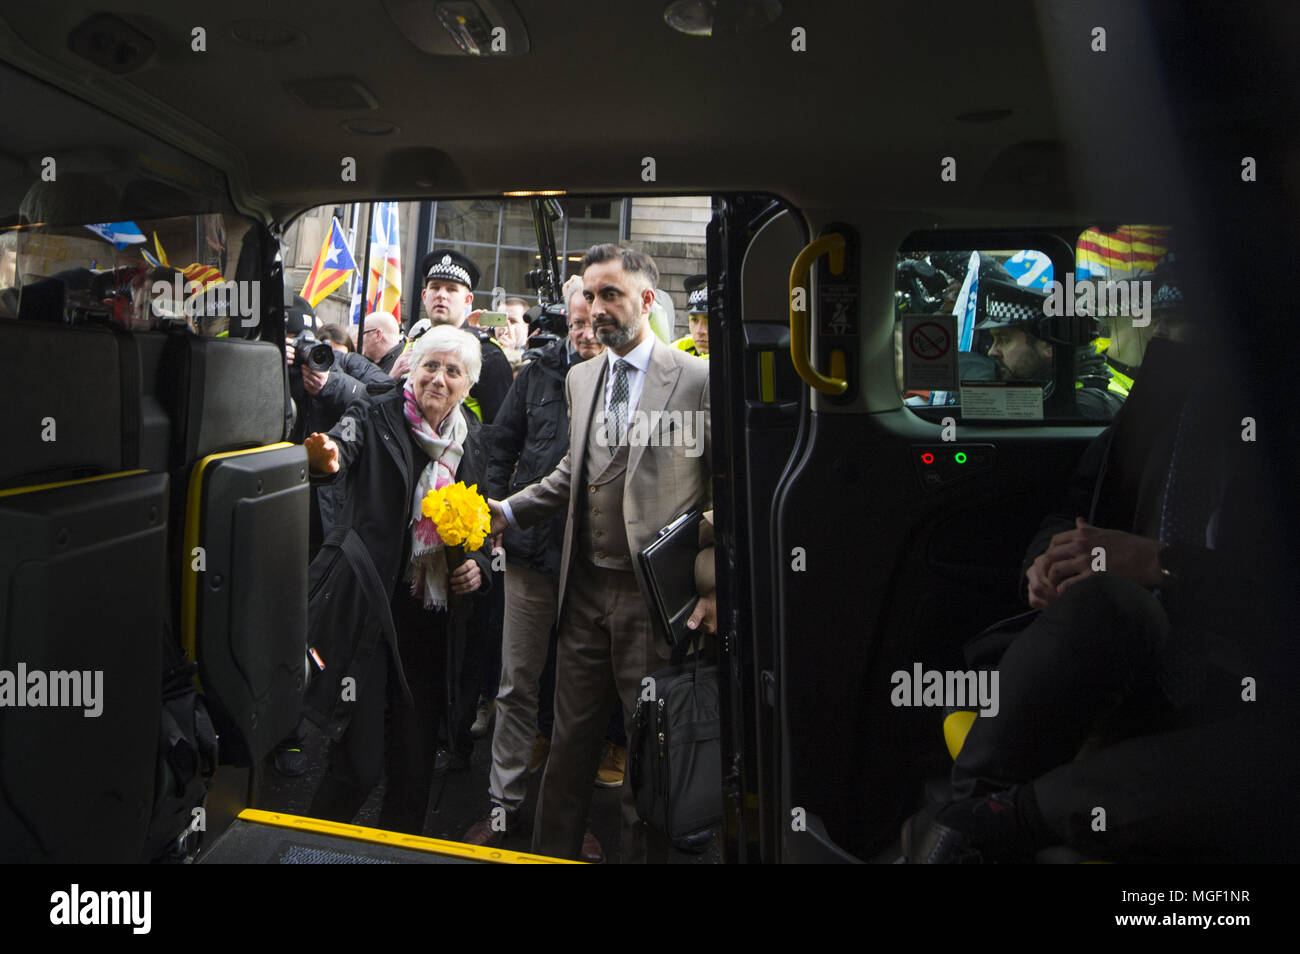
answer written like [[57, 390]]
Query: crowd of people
[[543, 630]]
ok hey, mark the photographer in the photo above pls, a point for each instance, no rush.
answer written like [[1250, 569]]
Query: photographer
[[324, 378]]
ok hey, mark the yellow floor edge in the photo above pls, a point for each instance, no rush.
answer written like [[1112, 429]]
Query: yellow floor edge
[[398, 839]]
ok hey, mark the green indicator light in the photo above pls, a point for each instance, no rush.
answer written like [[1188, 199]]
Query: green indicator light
[[959, 457]]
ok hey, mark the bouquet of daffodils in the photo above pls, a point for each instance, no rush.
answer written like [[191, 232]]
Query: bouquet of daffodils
[[461, 516]]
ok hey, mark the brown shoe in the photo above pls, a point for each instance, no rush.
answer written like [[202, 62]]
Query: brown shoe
[[610, 772], [483, 833], [592, 853], [541, 749]]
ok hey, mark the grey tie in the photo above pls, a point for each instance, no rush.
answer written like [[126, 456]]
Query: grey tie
[[618, 401]]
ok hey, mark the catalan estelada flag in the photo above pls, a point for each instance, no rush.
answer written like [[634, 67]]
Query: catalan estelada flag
[[385, 292], [205, 275], [1129, 250], [333, 266]]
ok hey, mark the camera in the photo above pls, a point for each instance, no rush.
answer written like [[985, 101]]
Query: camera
[[549, 322], [311, 351]]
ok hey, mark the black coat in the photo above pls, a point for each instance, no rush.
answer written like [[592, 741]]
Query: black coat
[[529, 438], [1119, 484], [353, 378], [380, 467], [494, 379]]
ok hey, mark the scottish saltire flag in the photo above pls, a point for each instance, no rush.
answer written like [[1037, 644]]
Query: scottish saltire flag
[[1030, 268], [385, 292], [121, 234], [1122, 253], [333, 265]]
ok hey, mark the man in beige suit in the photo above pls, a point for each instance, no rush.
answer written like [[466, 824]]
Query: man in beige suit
[[639, 457]]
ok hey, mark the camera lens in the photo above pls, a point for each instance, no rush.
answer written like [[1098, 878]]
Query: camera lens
[[320, 358]]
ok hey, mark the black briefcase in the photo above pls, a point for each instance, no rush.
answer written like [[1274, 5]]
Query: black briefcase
[[675, 752], [668, 576]]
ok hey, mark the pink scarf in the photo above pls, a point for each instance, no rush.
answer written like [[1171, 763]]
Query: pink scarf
[[428, 573]]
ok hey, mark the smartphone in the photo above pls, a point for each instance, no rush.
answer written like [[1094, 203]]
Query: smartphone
[[492, 319]]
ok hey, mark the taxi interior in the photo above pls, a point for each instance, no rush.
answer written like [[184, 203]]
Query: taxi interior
[[839, 560]]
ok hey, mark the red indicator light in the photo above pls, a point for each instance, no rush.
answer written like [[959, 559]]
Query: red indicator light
[[927, 458]]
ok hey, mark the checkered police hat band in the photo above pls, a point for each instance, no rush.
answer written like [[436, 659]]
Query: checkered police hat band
[[449, 270], [698, 299], [1011, 311], [1169, 295]]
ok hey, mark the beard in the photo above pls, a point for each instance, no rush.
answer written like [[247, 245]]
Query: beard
[[617, 336]]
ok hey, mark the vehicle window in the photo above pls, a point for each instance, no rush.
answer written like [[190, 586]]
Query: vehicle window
[[1107, 264], [498, 236], [139, 273], [997, 334]]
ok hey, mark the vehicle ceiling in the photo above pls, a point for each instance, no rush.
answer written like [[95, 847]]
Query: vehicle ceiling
[[871, 107]]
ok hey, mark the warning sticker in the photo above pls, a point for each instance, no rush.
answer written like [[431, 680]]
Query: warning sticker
[[929, 353], [1002, 402]]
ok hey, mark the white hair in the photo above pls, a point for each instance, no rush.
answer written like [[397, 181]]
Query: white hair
[[572, 286], [447, 338]]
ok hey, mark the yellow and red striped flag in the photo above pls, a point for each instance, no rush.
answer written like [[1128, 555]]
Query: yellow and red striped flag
[[1128, 250]]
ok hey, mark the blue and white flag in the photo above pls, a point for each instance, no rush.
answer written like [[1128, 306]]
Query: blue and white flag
[[1030, 268], [121, 234]]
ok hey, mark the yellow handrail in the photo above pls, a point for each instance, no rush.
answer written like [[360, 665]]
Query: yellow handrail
[[832, 245]]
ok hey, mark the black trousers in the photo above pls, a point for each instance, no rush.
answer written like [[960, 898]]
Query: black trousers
[[1167, 780], [388, 734]]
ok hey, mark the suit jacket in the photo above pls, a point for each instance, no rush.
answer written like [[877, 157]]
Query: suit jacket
[[661, 482]]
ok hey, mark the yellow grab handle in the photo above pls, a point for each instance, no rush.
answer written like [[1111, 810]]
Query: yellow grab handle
[[832, 245]]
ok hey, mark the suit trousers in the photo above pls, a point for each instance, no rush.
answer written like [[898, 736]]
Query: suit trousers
[[531, 598], [606, 648]]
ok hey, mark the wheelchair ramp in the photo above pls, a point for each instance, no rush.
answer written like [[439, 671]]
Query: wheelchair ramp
[[273, 838]]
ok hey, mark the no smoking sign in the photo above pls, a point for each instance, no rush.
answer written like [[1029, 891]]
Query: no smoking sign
[[929, 353]]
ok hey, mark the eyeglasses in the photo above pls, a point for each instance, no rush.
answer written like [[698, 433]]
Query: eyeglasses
[[371, 331]]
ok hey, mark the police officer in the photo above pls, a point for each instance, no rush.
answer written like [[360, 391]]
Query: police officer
[[1013, 315], [449, 280], [697, 310]]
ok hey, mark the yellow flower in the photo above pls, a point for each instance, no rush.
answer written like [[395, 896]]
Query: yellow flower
[[460, 513]]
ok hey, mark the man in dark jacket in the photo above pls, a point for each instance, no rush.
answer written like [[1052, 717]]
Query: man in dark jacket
[[1152, 629], [529, 438]]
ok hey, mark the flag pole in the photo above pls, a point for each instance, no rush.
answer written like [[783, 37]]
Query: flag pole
[[365, 282]]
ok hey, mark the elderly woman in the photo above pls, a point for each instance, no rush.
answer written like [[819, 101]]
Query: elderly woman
[[399, 447]]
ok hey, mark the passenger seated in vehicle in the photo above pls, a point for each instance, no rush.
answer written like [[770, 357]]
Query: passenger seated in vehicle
[[1151, 612]]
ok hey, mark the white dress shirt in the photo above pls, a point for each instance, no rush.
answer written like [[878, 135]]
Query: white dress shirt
[[639, 358]]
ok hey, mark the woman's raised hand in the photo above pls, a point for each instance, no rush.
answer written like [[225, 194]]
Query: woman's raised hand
[[322, 454]]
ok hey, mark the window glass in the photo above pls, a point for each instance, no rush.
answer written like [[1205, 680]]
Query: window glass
[[1111, 266], [473, 220], [141, 273], [976, 334], [589, 223]]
